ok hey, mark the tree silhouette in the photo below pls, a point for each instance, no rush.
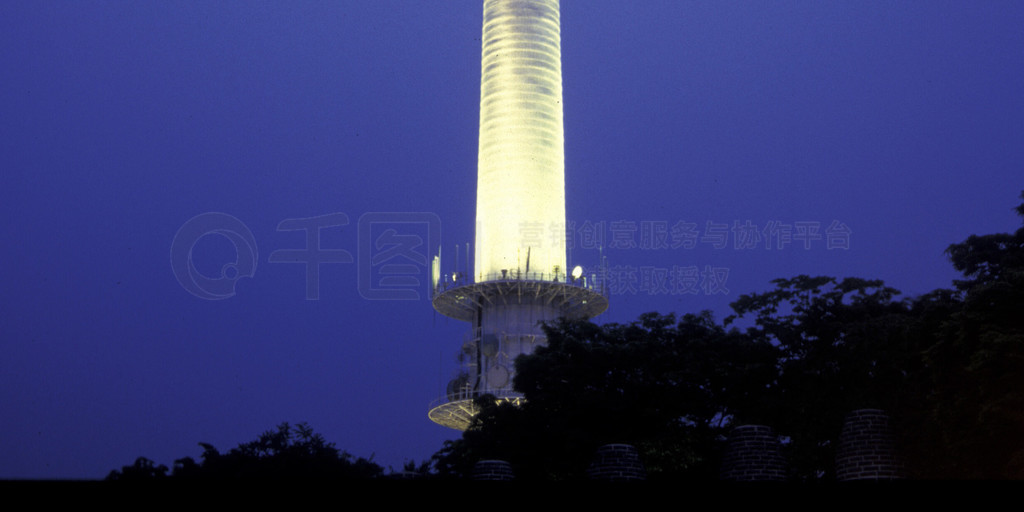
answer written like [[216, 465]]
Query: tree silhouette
[[841, 346], [142, 469], [948, 365], [667, 387], [976, 362], [290, 451]]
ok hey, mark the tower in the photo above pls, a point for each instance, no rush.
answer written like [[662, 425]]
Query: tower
[[520, 277]]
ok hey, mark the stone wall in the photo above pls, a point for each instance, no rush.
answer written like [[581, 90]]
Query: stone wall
[[617, 462], [867, 450], [753, 453]]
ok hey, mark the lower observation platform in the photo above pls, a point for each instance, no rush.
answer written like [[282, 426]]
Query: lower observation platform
[[458, 414]]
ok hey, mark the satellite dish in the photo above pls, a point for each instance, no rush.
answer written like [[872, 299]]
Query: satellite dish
[[489, 345]]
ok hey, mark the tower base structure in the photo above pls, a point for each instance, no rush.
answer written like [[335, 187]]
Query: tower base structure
[[506, 316]]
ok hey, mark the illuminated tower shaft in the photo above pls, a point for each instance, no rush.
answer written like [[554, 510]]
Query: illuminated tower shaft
[[521, 179], [519, 280]]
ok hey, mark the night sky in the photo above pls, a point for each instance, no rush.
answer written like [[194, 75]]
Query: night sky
[[710, 148]]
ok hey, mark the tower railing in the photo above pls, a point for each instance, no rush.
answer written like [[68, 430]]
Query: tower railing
[[451, 281], [466, 394]]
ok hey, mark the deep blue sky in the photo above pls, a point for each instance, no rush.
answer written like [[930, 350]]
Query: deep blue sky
[[120, 121]]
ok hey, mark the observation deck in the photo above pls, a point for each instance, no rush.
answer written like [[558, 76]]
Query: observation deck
[[573, 298]]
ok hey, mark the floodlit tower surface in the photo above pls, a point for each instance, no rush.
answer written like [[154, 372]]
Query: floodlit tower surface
[[520, 277], [521, 178]]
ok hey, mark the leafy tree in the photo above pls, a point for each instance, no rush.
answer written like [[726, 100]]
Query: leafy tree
[[287, 452], [976, 362], [666, 387], [842, 345], [817, 348], [142, 469], [948, 365]]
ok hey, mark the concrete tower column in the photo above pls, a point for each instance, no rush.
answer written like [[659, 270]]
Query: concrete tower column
[[517, 282]]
